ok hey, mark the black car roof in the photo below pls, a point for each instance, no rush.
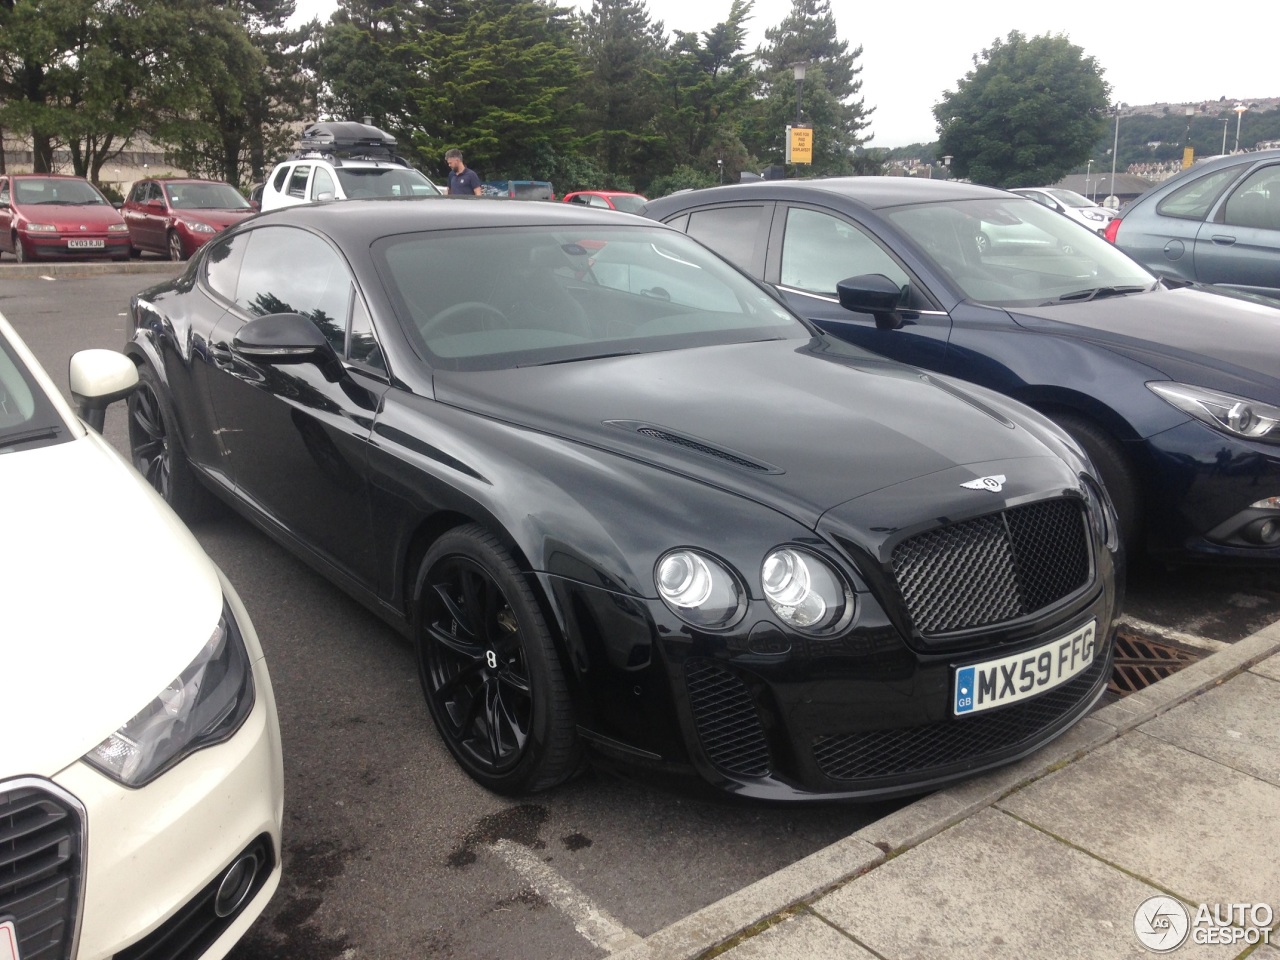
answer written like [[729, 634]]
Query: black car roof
[[363, 221], [872, 192]]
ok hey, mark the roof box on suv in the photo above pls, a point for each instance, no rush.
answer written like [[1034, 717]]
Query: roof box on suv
[[347, 139]]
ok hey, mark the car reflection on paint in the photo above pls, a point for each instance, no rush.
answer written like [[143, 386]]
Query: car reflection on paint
[[624, 504]]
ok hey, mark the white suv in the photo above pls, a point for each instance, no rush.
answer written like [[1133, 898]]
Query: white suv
[[343, 161], [1071, 205]]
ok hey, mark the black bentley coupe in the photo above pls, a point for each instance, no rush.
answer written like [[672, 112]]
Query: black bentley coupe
[[619, 497]]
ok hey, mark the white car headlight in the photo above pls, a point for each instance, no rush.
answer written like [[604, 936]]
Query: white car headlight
[[40, 228], [117, 228], [204, 705], [1237, 416], [699, 589], [195, 226], [803, 590]]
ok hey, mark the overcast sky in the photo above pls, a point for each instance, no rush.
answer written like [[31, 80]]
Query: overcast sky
[[915, 50]]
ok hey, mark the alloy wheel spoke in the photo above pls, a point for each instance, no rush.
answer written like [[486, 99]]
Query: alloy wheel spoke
[[502, 720], [458, 645]]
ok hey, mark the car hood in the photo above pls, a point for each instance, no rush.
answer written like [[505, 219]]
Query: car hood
[[1193, 336], [108, 597], [73, 217], [798, 425]]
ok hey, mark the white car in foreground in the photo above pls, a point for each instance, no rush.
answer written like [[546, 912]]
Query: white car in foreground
[[141, 785]]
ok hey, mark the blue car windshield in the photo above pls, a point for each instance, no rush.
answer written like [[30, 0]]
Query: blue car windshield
[[515, 296], [1012, 252]]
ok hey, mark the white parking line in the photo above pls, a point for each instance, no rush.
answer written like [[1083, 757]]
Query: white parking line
[[1173, 636], [594, 923]]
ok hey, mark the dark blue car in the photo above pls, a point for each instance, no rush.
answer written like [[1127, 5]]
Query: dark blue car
[[1174, 393]]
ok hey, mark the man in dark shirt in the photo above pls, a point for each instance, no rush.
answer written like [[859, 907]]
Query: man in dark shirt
[[462, 180]]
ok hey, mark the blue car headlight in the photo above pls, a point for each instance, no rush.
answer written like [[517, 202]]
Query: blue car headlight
[[202, 706], [699, 589], [1238, 416]]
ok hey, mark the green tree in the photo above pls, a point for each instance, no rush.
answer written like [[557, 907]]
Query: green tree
[[622, 53], [707, 83], [1028, 112], [828, 98]]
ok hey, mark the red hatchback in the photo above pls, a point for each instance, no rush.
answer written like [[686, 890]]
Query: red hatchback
[[174, 218], [612, 199], [55, 216]]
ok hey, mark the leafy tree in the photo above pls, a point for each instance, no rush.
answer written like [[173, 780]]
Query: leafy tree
[[828, 97], [1028, 112], [622, 52], [707, 85], [366, 60]]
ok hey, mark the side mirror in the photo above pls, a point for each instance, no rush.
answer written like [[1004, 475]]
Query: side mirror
[[324, 195], [98, 378], [873, 293], [282, 338]]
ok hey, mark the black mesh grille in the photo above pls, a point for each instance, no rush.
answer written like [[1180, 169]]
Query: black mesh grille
[[39, 870], [667, 437], [995, 568], [726, 720], [893, 753]]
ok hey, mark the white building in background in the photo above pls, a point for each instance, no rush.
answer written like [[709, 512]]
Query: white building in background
[[141, 159]]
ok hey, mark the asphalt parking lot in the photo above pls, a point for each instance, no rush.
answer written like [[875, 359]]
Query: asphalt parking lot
[[390, 850]]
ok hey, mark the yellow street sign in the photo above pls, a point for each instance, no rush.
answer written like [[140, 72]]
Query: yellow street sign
[[799, 145]]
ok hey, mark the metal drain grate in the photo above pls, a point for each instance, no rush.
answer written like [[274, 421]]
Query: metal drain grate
[[1141, 662]]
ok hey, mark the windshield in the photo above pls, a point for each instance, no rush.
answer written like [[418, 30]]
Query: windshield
[[517, 296], [205, 196], [55, 190], [1009, 251], [628, 204], [26, 416], [384, 182]]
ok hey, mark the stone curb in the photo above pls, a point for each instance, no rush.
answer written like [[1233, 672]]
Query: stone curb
[[771, 899], [58, 269]]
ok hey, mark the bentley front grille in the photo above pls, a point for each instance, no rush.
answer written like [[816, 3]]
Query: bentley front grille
[[994, 568]]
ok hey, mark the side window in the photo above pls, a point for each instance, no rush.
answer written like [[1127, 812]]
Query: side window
[[4, 191], [598, 202], [322, 183], [298, 181], [1256, 202], [153, 192], [278, 181], [363, 346], [1193, 200], [1041, 199], [222, 265], [292, 271], [729, 231], [138, 193], [581, 199], [819, 250]]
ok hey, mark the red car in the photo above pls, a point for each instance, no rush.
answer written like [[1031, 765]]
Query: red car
[[612, 199], [175, 218], [55, 216]]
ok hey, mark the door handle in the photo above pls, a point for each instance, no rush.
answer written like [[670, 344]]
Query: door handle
[[1223, 241]]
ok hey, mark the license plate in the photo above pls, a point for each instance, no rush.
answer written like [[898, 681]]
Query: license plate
[[8, 941], [85, 244], [995, 683]]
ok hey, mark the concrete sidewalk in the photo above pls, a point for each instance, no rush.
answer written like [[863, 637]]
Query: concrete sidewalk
[[1172, 792]]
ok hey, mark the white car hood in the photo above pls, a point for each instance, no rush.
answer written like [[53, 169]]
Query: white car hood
[[104, 598]]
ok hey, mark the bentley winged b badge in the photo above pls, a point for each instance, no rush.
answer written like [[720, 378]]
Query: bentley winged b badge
[[994, 484]]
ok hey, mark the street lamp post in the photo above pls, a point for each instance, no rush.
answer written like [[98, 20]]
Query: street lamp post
[[1225, 121], [1115, 149], [1240, 109], [1088, 172], [799, 69]]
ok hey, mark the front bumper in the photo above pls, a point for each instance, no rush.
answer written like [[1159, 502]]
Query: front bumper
[[54, 247]]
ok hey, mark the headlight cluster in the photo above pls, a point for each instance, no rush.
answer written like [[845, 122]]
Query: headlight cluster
[[197, 226], [202, 706], [1238, 416], [803, 590], [117, 228]]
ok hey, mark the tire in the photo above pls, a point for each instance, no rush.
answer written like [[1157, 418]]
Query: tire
[[174, 247], [1116, 472], [19, 251], [488, 667], [156, 449]]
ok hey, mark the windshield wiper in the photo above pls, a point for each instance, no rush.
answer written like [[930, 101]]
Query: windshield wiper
[[590, 356], [27, 436], [1094, 293]]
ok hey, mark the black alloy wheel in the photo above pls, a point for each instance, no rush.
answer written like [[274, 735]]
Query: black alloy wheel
[[175, 246], [158, 454], [489, 668]]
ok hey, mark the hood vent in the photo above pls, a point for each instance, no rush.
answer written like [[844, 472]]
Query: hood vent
[[663, 435]]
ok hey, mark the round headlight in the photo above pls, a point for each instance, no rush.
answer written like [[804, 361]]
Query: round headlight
[[803, 590], [698, 588]]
